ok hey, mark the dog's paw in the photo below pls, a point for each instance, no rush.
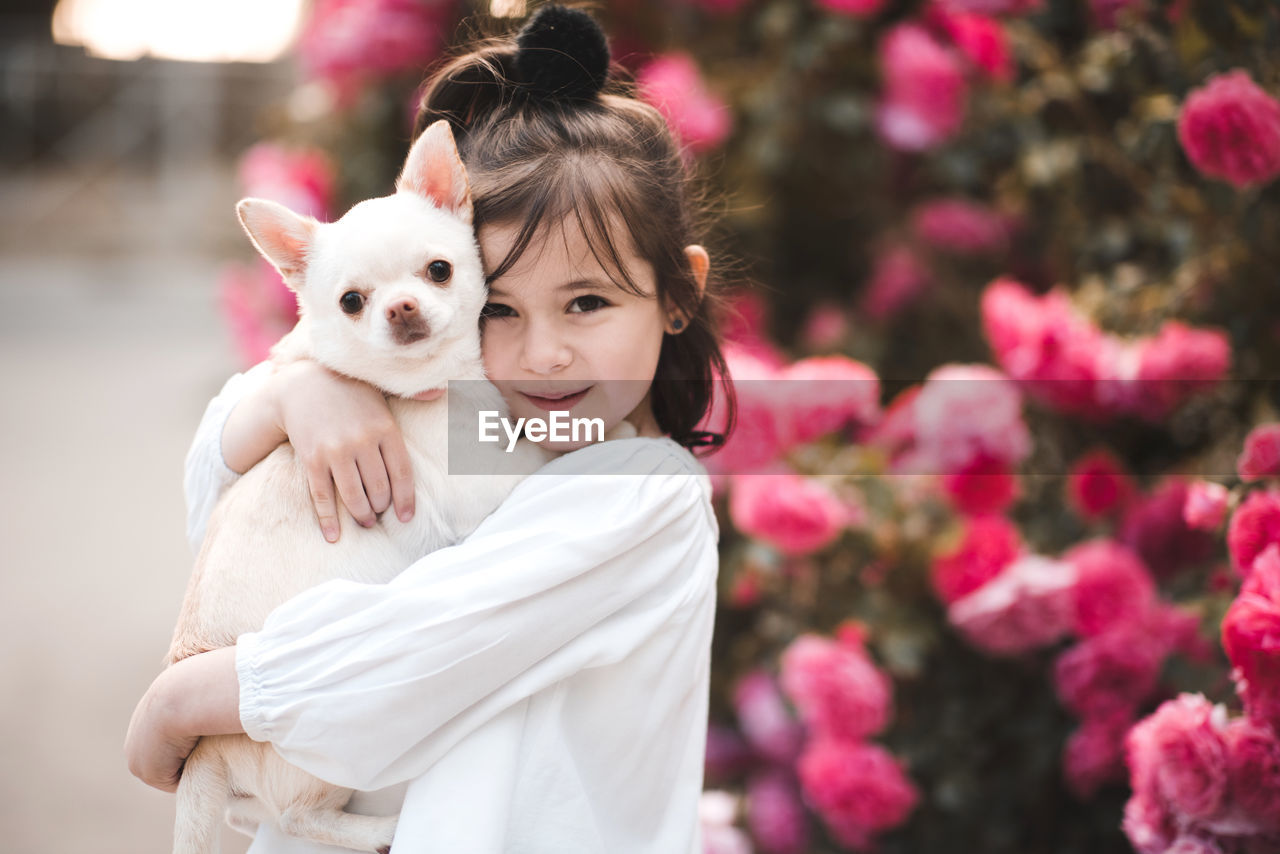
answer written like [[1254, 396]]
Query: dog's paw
[[622, 430], [386, 833]]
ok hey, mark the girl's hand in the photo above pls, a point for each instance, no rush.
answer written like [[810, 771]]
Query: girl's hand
[[343, 432], [197, 696]]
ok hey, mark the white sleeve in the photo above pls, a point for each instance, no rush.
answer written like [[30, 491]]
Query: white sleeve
[[206, 473], [369, 685]]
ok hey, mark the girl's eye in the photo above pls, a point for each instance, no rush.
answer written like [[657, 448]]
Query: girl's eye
[[495, 309], [588, 303], [439, 271], [352, 302]]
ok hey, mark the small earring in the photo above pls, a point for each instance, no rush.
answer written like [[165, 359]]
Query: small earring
[[677, 324]]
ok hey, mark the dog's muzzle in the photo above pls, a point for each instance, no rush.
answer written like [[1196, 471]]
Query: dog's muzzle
[[406, 322]]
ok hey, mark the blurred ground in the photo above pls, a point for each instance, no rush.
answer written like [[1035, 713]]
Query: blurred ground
[[111, 345]]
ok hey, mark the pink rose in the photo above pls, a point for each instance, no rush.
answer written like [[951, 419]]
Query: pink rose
[[987, 545], [836, 687], [1254, 526], [756, 441], [960, 226], [673, 84], [1230, 129], [346, 41], [1042, 342], [1180, 753], [858, 789], [1114, 588], [898, 277], [777, 818], [896, 431], [1097, 485], [985, 486], [924, 93], [825, 327], [794, 514], [1148, 823], [1190, 843], [764, 719], [301, 179], [967, 412], [1094, 754], [1072, 365], [1253, 765], [1251, 637], [1028, 605], [1174, 364], [1178, 629], [1261, 455], [823, 394], [982, 40], [259, 306], [1153, 527], [1109, 673], [992, 7], [1206, 505]]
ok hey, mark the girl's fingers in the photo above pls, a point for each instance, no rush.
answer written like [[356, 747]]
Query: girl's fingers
[[320, 484], [373, 473], [346, 477], [399, 468]]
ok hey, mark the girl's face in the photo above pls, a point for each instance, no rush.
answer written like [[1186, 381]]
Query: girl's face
[[559, 335]]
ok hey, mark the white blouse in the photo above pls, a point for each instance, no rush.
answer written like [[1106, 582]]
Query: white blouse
[[540, 687]]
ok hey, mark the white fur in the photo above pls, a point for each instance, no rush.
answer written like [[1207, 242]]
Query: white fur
[[263, 544]]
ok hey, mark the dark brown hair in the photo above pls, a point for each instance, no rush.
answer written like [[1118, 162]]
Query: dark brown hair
[[535, 160]]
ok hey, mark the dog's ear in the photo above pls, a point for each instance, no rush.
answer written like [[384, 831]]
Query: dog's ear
[[282, 236], [434, 171]]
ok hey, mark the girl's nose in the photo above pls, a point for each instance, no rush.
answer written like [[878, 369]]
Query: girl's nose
[[544, 352]]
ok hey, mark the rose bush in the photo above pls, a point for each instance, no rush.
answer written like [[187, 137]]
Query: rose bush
[[1007, 464]]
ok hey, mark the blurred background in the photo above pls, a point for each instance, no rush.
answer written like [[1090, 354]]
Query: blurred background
[[118, 174], [1014, 263]]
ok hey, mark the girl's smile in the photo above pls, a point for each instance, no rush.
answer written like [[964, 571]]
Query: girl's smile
[[551, 401]]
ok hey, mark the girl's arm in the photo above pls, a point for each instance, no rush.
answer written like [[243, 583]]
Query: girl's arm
[[206, 474], [341, 429], [369, 685], [196, 696]]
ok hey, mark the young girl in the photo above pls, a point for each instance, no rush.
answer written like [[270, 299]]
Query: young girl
[[541, 686]]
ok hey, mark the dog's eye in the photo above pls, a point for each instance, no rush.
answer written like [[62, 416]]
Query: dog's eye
[[439, 271], [352, 302]]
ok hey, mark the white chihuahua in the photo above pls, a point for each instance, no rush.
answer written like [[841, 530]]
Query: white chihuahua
[[390, 294]]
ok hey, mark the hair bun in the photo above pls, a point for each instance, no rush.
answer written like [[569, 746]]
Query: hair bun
[[563, 54]]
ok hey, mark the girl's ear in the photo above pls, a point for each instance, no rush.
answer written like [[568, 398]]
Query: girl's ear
[[434, 171], [700, 263], [282, 236]]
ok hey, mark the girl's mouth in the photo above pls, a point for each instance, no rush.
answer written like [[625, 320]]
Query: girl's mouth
[[557, 403]]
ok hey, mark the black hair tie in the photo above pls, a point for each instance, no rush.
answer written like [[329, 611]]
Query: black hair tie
[[563, 54]]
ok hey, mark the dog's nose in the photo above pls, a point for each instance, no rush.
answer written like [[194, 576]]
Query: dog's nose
[[405, 321], [402, 310]]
